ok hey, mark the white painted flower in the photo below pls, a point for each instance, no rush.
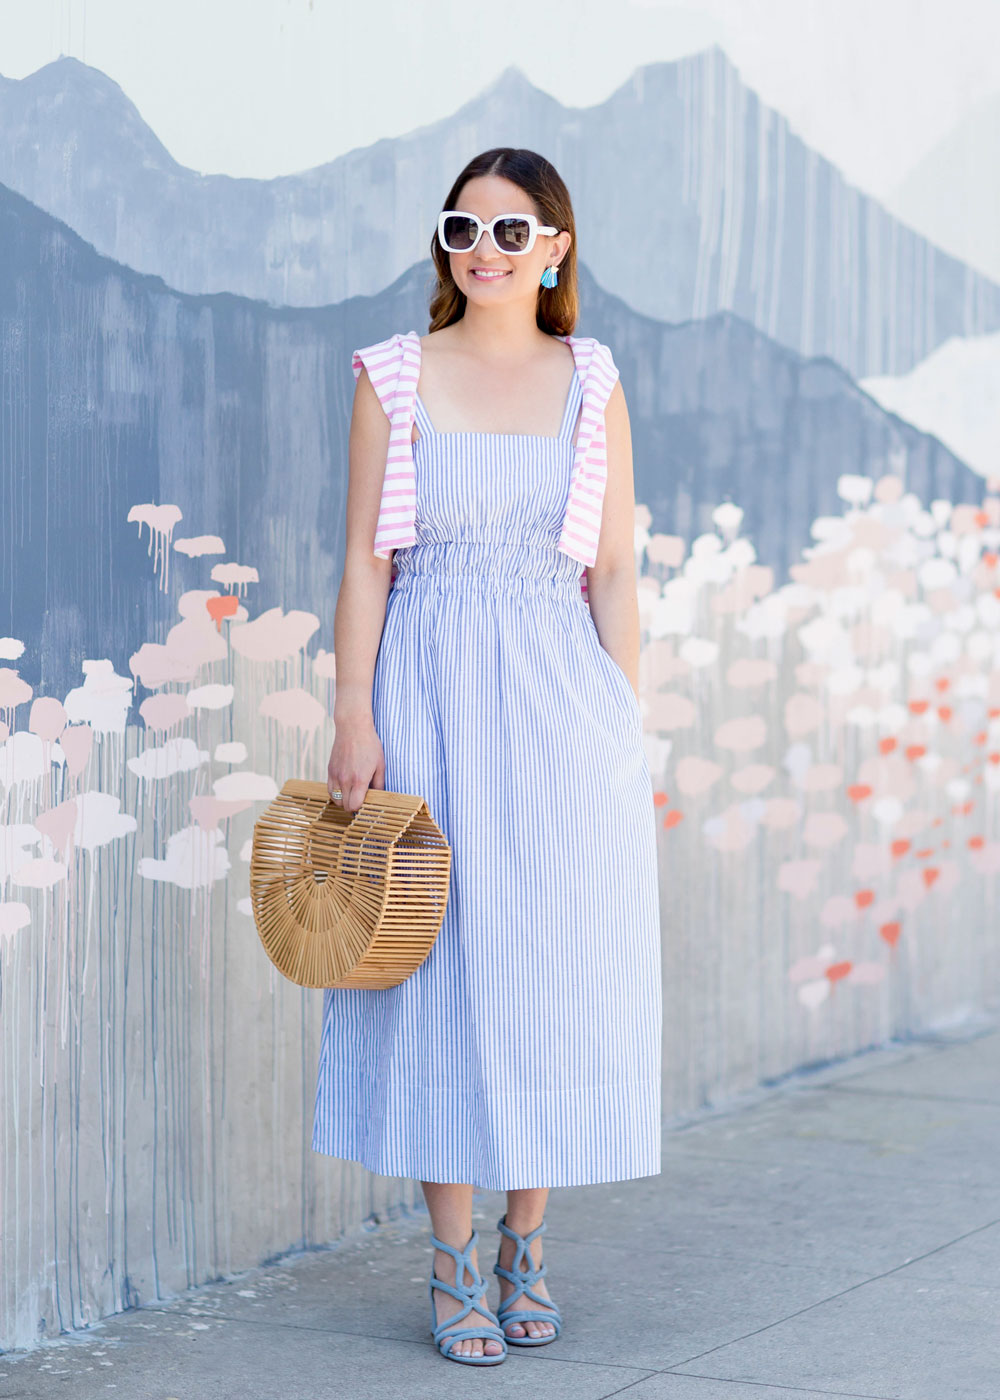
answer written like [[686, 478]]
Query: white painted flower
[[210, 697], [855, 490]]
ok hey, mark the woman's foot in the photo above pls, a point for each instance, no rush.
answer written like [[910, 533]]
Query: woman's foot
[[446, 1306], [535, 1327]]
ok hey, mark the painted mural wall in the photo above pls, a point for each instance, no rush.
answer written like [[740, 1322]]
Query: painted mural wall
[[818, 548]]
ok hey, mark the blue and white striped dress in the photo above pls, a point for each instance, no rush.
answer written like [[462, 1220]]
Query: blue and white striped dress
[[525, 1050]]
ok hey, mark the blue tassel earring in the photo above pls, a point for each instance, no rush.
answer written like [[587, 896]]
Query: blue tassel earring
[[550, 276]]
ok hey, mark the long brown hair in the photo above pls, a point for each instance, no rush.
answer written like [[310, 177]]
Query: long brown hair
[[557, 308]]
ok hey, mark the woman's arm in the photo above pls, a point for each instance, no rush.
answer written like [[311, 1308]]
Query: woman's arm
[[356, 760], [611, 582]]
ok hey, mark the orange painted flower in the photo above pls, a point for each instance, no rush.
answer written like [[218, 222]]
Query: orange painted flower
[[225, 605]]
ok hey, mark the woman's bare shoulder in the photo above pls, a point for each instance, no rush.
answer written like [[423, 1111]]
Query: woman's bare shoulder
[[437, 340]]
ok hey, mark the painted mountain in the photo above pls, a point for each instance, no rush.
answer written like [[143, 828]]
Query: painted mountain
[[691, 197], [122, 392], [952, 193]]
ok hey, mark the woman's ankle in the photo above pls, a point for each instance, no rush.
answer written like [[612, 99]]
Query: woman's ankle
[[521, 1226], [446, 1266]]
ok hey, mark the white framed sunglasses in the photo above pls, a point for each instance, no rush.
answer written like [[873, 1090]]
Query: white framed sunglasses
[[512, 234]]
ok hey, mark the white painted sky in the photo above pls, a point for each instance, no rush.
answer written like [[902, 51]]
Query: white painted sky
[[267, 87]]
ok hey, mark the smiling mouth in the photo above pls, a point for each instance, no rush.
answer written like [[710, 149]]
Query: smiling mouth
[[485, 275]]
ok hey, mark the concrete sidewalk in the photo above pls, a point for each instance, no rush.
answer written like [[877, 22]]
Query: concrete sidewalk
[[838, 1234]]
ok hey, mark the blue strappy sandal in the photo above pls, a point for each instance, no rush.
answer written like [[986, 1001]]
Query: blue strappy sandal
[[523, 1278], [446, 1332]]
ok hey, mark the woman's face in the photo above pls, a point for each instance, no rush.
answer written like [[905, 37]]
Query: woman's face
[[513, 277]]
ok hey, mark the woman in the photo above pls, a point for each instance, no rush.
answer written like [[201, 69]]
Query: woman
[[487, 644]]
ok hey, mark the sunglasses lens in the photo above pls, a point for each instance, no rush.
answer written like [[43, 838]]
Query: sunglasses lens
[[459, 233], [513, 235]]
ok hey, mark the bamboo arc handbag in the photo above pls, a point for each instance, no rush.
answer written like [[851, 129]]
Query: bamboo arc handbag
[[347, 899]]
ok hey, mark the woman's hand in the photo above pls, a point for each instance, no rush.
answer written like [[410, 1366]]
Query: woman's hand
[[357, 762]]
